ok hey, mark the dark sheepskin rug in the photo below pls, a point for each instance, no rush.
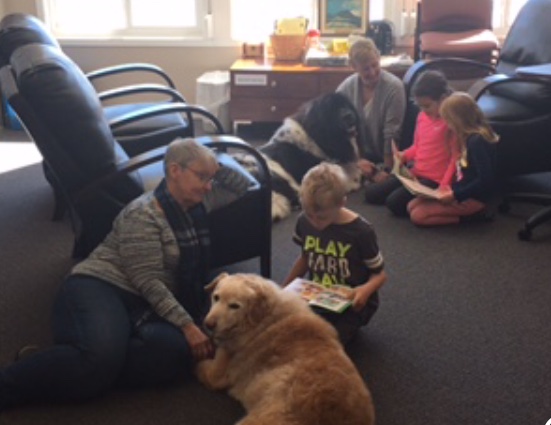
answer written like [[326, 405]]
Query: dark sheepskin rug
[[323, 129]]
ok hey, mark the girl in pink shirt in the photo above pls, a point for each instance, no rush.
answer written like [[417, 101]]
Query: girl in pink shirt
[[433, 152]]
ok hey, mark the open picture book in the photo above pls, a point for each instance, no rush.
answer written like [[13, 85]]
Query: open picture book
[[411, 183], [334, 299]]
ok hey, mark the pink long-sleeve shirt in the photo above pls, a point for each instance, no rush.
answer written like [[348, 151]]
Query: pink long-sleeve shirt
[[434, 150]]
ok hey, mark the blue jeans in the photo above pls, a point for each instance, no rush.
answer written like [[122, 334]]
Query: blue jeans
[[100, 339]]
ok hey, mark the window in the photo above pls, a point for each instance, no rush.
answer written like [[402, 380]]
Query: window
[[253, 21], [220, 22], [504, 13], [112, 19]]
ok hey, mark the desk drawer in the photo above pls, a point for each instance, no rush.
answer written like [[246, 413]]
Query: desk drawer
[[262, 109], [330, 81], [273, 84]]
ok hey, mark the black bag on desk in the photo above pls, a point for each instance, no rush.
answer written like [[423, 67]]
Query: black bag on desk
[[381, 32]]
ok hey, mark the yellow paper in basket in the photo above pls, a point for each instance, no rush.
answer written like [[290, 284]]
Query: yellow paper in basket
[[291, 26]]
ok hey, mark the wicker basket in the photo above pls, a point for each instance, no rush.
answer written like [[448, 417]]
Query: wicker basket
[[288, 47]]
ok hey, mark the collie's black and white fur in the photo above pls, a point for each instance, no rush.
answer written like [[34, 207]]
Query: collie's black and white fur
[[323, 129]]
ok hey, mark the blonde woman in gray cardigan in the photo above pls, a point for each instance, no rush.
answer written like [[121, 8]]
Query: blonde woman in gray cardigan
[[380, 100], [129, 313]]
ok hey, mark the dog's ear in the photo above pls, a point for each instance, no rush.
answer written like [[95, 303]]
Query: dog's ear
[[210, 287], [261, 304]]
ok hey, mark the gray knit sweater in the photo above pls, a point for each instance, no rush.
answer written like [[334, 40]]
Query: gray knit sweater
[[382, 117], [141, 253]]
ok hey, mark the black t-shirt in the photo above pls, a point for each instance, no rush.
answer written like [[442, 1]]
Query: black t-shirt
[[344, 254]]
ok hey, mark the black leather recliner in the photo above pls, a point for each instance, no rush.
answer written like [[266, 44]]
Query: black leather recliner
[[61, 111], [134, 135]]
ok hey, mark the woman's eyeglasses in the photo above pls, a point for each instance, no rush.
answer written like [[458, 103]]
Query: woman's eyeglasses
[[203, 177]]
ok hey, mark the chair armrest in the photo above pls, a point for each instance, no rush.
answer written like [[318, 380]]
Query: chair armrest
[[223, 143], [131, 67], [442, 63], [124, 167], [542, 71], [484, 85], [175, 96], [166, 108]]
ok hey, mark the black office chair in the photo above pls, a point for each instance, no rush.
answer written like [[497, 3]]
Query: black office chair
[[517, 106], [19, 29], [62, 113]]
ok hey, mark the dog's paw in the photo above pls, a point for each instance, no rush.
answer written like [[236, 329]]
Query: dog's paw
[[207, 374], [212, 373], [281, 207]]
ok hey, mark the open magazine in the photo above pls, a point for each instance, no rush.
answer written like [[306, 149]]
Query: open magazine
[[333, 299], [411, 183]]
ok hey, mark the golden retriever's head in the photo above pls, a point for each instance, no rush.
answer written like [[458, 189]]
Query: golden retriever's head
[[239, 302]]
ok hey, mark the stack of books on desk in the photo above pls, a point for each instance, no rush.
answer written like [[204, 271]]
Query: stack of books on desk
[[318, 57]]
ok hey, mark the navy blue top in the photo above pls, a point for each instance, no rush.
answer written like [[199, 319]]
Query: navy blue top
[[477, 179]]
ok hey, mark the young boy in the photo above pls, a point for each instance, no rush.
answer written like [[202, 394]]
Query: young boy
[[338, 247]]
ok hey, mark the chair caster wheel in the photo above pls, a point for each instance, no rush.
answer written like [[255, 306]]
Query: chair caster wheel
[[525, 234]]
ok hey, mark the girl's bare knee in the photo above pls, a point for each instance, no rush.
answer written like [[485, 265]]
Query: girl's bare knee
[[418, 217]]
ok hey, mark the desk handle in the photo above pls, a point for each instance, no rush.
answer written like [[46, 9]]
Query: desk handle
[[273, 108], [273, 83]]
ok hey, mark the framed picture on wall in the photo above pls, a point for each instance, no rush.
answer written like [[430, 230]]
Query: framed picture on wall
[[343, 17]]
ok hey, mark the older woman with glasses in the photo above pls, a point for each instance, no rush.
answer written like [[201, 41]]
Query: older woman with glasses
[[380, 100], [129, 313]]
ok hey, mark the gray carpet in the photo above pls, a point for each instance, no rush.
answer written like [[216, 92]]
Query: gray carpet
[[462, 335]]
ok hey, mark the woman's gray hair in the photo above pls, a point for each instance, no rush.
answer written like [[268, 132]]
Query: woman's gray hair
[[185, 151], [363, 50]]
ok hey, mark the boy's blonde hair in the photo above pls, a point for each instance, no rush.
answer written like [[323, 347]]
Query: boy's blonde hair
[[323, 187], [362, 51]]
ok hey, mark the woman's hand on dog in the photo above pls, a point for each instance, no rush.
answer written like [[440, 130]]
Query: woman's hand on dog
[[201, 346], [367, 168]]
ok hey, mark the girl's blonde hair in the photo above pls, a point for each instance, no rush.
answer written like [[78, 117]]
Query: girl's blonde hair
[[323, 187], [465, 117]]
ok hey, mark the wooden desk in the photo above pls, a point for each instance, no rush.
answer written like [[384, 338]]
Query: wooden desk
[[266, 91]]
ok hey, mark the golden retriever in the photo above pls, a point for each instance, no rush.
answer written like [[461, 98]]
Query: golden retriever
[[279, 359]]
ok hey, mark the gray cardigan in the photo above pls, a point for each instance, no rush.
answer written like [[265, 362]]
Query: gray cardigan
[[382, 117], [141, 253]]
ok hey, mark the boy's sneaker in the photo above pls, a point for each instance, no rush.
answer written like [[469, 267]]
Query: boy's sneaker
[[26, 351]]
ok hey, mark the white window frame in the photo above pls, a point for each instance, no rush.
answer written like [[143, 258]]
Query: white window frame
[[215, 22], [200, 33]]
